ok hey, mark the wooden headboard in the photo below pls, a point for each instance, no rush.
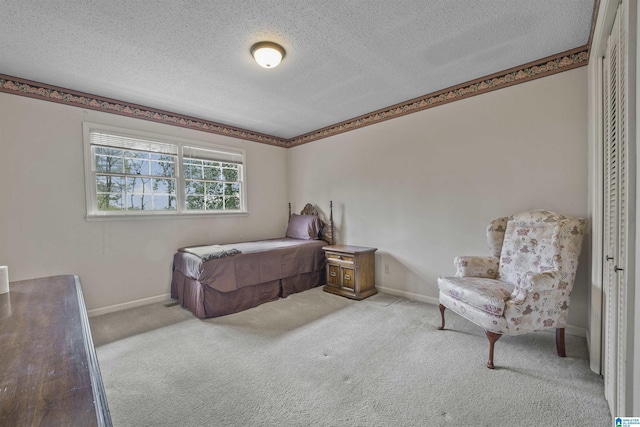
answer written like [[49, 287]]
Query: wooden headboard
[[327, 229]]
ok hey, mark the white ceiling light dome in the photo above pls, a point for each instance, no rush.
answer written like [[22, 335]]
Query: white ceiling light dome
[[267, 54]]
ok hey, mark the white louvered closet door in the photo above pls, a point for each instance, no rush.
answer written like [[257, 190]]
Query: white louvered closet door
[[610, 217], [616, 216]]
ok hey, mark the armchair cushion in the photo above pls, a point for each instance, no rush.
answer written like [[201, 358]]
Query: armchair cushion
[[530, 244], [476, 266], [488, 295], [481, 318]]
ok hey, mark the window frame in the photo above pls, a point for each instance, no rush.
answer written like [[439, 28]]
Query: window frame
[[91, 189]]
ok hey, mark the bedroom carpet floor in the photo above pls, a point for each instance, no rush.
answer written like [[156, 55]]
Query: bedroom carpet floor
[[316, 359]]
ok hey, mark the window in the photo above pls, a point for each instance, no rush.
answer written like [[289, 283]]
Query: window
[[131, 173], [212, 182]]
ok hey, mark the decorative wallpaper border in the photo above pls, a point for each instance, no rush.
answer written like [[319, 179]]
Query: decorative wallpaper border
[[31, 89], [524, 73], [541, 68]]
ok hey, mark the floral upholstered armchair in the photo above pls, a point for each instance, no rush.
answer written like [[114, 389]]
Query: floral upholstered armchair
[[525, 285]]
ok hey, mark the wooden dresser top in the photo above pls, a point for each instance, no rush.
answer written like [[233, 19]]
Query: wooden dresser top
[[49, 373]]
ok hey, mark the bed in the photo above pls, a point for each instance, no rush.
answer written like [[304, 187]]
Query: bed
[[216, 280]]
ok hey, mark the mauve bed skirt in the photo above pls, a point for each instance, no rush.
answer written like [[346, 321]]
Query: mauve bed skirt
[[204, 301]]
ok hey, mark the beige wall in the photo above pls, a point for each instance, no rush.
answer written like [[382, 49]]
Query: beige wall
[[422, 188], [43, 230]]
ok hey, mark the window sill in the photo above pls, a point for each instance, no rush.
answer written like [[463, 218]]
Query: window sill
[[138, 217]]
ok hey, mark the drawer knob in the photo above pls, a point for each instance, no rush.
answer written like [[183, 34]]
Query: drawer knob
[[347, 277], [333, 274], [338, 257]]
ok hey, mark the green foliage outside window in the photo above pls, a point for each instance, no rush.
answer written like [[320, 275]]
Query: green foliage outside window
[[211, 185], [134, 180]]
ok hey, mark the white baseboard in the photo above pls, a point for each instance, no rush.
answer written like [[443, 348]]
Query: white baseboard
[[576, 331], [408, 295], [570, 330], [130, 304]]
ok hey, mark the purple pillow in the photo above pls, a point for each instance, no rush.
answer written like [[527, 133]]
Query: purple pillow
[[304, 227]]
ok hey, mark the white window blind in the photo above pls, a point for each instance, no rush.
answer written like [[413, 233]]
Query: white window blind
[[98, 138], [208, 154]]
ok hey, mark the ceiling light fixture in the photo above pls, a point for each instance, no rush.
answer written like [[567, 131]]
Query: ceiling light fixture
[[267, 54]]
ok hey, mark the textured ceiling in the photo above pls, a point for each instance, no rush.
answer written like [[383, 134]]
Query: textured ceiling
[[344, 58]]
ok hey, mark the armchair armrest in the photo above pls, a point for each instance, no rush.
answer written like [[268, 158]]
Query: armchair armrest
[[476, 266], [536, 282], [540, 301]]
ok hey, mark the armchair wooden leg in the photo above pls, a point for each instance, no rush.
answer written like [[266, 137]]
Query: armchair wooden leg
[[560, 342], [493, 337], [442, 308]]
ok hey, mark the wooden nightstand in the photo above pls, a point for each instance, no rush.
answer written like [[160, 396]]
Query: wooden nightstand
[[350, 271]]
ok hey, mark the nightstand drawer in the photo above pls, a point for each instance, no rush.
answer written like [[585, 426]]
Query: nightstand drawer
[[348, 278], [332, 256], [333, 277]]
